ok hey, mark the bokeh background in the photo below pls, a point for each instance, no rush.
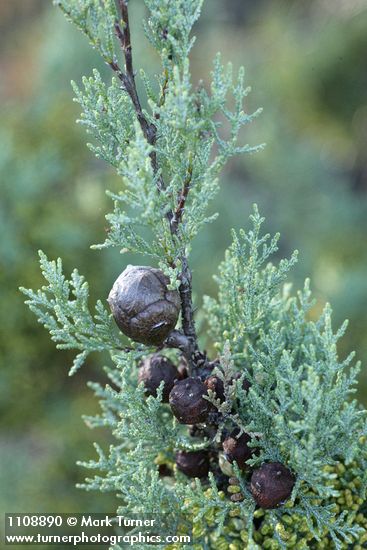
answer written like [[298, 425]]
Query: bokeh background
[[307, 64]]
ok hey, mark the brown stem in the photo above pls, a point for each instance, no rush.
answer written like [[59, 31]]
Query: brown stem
[[185, 289], [177, 215], [179, 340], [187, 313], [164, 91], [126, 35], [191, 350]]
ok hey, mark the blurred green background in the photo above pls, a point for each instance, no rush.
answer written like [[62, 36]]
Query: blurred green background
[[307, 63]]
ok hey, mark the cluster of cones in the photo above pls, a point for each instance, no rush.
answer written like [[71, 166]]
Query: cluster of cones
[[270, 485], [147, 310]]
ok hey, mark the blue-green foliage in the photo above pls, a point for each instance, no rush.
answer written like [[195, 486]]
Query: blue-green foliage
[[62, 307], [95, 18], [190, 146], [248, 285], [169, 27], [300, 388], [298, 406]]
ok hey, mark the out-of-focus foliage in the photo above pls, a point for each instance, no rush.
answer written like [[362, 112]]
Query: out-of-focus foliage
[[308, 64], [50, 197], [309, 67]]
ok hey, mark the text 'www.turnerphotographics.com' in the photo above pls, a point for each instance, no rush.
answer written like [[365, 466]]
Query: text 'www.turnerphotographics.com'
[[94, 529]]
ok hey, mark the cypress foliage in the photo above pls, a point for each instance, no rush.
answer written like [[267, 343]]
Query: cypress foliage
[[281, 380]]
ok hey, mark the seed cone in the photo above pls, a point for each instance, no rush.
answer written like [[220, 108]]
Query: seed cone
[[271, 484], [142, 306], [193, 464], [187, 401], [236, 449], [157, 369]]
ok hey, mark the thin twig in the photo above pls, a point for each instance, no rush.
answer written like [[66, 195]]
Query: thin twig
[[187, 311], [179, 340], [128, 80], [127, 40], [163, 96], [150, 131], [177, 216]]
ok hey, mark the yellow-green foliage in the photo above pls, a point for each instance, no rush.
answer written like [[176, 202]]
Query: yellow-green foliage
[[292, 529]]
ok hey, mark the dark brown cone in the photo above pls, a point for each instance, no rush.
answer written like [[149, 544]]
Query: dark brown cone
[[193, 464], [236, 449], [142, 306], [216, 385], [271, 484], [187, 401], [157, 369], [206, 367]]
